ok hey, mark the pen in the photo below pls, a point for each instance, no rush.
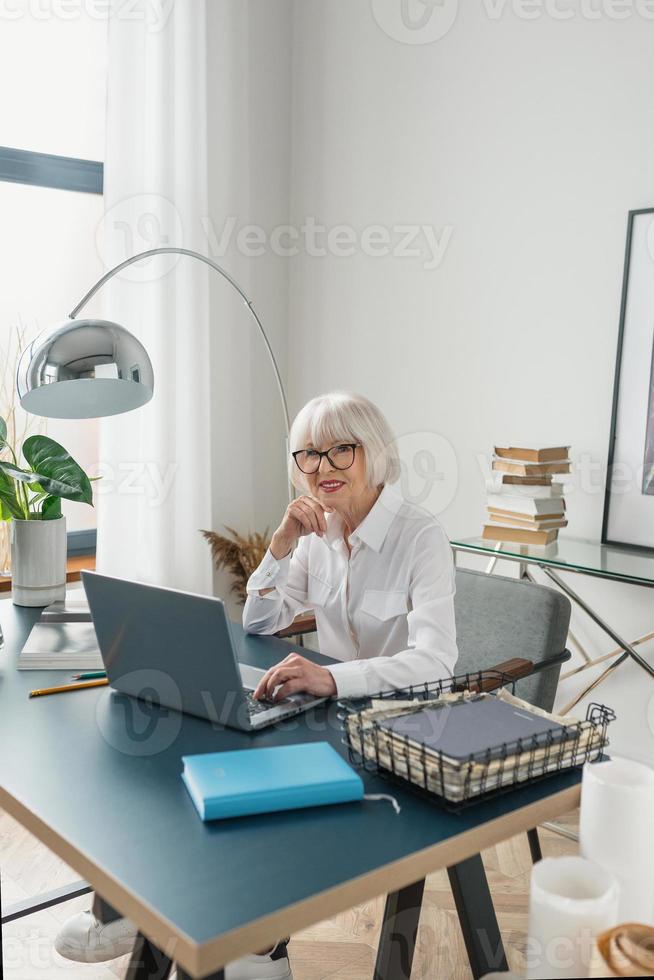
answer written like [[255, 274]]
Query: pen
[[89, 675], [68, 687]]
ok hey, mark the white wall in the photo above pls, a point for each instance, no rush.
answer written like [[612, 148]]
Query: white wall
[[530, 139]]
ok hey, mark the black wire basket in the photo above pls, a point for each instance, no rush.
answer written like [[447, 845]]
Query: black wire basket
[[455, 783]]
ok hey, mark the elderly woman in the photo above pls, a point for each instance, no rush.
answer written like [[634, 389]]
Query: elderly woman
[[377, 570], [379, 574]]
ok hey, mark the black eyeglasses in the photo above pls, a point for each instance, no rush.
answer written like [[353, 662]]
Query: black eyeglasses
[[341, 457]]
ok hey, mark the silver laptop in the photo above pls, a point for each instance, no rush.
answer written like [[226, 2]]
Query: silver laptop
[[179, 650]]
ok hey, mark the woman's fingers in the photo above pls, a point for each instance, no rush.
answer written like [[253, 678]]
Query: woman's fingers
[[319, 512], [293, 674], [278, 676], [303, 513], [302, 517], [310, 514], [292, 660], [261, 690], [317, 509], [316, 512], [291, 666]]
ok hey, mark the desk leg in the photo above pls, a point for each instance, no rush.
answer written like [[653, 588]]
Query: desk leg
[[474, 904], [534, 845], [103, 911], [397, 941], [147, 962]]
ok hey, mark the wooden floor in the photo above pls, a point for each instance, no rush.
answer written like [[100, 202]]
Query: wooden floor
[[342, 948]]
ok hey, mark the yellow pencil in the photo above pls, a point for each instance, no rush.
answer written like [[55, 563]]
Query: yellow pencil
[[68, 687]]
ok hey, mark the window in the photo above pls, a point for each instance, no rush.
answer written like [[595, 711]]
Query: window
[[53, 71]]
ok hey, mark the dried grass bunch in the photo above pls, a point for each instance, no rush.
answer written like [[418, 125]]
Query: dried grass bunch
[[239, 555]]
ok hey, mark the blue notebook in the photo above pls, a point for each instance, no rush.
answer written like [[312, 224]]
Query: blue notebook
[[285, 777]]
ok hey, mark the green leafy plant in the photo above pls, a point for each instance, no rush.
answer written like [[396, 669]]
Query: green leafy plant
[[35, 493]]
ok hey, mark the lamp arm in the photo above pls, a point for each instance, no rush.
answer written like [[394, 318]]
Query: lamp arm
[[203, 258], [167, 250]]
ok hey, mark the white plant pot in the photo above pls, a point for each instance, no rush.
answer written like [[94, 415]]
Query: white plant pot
[[38, 561]]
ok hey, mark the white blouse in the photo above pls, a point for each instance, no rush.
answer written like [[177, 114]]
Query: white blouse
[[386, 611]]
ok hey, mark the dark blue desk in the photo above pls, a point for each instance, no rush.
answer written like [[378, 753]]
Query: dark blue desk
[[96, 777]]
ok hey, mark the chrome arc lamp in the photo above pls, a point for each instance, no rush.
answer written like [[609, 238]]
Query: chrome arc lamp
[[92, 368]]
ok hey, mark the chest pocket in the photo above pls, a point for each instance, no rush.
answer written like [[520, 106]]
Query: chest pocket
[[384, 605], [319, 593]]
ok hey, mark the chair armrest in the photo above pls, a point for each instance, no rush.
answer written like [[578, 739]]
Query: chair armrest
[[306, 623], [516, 668], [497, 675], [554, 661]]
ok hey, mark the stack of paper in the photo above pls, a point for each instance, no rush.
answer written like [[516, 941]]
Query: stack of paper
[[523, 503], [61, 646]]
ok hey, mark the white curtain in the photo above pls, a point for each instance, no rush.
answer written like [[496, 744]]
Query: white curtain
[[155, 494]]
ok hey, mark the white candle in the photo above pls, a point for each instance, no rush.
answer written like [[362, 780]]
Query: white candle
[[616, 830], [571, 901]]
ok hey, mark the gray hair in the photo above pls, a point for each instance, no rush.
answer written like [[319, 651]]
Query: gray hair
[[341, 416]]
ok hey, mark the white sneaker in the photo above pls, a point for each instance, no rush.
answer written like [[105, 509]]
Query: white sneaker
[[85, 939], [272, 966]]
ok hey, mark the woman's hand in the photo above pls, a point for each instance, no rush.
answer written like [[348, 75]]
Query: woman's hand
[[295, 673], [304, 515]]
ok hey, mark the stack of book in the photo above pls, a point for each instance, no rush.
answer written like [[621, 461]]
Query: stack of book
[[524, 504]]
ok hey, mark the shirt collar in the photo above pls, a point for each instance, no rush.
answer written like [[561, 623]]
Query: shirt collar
[[374, 527]]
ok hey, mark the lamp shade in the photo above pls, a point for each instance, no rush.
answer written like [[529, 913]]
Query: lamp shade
[[82, 369]]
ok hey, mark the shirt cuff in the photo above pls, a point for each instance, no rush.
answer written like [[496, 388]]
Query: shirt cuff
[[270, 571], [350, 678]]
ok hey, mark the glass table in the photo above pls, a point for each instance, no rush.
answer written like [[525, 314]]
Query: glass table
[[586, 557]]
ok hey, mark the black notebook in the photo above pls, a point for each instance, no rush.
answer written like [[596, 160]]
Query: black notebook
[[472, 727]]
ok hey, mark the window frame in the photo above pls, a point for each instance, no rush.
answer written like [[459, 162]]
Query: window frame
[[49, 170], [67, 174]]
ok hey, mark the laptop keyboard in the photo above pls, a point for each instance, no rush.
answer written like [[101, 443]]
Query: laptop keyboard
[[255, 707]]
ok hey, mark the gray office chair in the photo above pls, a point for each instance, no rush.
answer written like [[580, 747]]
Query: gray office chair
[[498, 618]]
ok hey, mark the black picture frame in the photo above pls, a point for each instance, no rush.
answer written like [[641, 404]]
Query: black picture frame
[[634, 546]]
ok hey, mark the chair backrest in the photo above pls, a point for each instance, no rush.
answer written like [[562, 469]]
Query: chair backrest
[[498, 618]]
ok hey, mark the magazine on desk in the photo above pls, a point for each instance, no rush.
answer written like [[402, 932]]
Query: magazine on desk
[[61, 646]]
